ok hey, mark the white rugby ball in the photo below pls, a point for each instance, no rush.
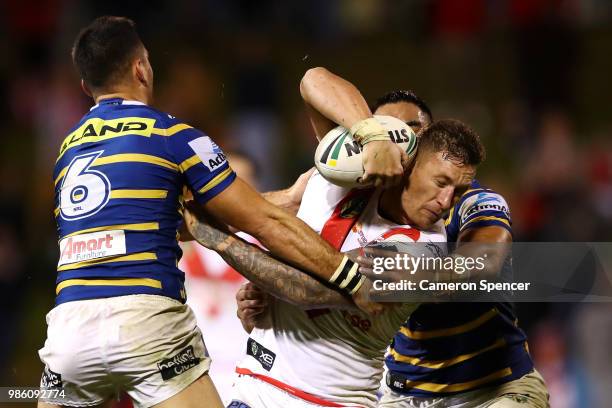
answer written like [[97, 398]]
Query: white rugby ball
[[338, 156]]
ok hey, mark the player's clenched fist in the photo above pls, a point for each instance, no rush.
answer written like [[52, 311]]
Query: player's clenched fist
[[383, 164], [383, 160], [252, 306]]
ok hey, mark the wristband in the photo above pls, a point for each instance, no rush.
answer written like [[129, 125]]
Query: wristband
[[347, 276], [369, 130]]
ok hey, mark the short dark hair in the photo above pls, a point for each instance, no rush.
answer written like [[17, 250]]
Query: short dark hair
[[403, 96], [103, 50], [456, 139]]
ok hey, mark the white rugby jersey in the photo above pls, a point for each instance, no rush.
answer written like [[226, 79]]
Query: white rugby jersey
[[336, 355]]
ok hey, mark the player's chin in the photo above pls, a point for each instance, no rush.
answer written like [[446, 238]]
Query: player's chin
[[425, 220]]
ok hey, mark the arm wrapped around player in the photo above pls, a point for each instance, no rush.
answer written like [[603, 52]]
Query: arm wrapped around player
[[271, 275]]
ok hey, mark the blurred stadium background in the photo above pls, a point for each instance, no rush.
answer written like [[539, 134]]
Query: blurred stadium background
[[531, 76]]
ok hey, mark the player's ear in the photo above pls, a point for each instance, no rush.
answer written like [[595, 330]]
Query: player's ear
[[86, 89], [139, 70]]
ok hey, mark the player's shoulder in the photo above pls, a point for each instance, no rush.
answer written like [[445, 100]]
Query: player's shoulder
[[320, 199], [478, 207], [481, 200], [158, 122], [163, 119], [167, 124], [126, 118], [318, 190]]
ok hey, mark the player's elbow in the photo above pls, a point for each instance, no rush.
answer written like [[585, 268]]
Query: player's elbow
[[312, 77], [314, 74]]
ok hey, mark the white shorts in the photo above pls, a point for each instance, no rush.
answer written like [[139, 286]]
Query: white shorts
[[146, 345], [529, 391], [251, 392]]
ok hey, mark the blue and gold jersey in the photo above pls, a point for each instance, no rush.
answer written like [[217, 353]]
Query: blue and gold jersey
[[118, 200], [448, 348], [477, 207]]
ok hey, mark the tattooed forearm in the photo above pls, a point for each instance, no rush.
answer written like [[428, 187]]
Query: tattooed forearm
[[281, 280]]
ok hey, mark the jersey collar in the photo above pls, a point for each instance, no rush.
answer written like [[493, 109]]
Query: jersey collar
[[115, 101]]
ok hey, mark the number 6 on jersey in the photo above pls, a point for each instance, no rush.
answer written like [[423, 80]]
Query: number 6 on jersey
[[84, 191]]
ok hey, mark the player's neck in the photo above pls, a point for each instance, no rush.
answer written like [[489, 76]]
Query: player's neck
[[123, 94]]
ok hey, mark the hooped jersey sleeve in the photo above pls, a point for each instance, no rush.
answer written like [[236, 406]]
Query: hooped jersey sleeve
[[478, 207], [202, 162]]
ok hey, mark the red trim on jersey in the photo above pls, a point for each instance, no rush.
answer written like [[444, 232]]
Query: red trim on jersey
[[345, 215], [411, 233], [289, 389], [337, 227]]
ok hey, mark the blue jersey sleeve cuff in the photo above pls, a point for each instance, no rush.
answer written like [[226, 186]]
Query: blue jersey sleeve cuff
[[486, 223], [214, 187]]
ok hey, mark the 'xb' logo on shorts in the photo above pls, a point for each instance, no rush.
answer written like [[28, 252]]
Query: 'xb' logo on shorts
[[260, 353]]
